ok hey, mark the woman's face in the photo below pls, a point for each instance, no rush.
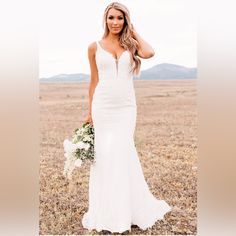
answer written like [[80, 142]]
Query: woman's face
[[115, 21]]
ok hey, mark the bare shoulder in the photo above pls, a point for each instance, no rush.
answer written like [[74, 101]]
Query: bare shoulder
[[92, 48]]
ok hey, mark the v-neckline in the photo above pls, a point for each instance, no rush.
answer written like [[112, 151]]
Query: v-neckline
[[117, 59]]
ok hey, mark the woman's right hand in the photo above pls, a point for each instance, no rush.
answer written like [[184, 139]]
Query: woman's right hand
[[89, 119]]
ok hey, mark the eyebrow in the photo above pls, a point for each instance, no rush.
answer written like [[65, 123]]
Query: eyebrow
[[118, 15]]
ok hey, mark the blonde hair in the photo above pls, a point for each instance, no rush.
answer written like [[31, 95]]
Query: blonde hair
[[125, 38]]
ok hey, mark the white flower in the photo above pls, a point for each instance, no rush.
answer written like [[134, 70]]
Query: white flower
[[78, 163], [80, 145], [80, 131], [69, 147], [86, 138], [86, 146], [68, 155]]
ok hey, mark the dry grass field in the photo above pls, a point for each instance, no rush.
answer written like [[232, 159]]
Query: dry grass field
[[166, 141]]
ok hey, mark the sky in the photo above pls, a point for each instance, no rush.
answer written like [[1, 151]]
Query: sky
[[67, 27]]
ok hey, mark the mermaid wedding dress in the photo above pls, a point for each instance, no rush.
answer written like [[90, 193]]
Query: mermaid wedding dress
[[118, 193]]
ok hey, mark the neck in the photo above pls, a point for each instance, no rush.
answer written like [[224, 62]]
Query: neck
[[113, 37]]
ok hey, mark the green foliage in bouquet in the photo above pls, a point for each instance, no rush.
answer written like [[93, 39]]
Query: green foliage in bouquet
[[84, 138], [80, 149]]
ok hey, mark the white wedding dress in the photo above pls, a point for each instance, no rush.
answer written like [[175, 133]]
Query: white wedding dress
[[118, 193]]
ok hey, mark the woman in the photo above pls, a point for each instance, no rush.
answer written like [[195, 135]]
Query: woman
[[118, 193]]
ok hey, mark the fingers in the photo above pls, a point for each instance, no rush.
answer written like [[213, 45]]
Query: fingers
[[89, 120]]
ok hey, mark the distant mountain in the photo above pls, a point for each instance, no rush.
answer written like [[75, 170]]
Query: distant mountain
[[66, 78], [169, 71], [161, 71]]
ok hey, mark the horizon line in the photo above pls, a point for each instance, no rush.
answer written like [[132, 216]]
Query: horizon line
[[141, 70]]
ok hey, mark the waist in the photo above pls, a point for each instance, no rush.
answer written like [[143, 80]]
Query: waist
[[115, 82], [115, 89]]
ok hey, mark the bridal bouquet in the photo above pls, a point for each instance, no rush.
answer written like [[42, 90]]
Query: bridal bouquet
[[79, 150]]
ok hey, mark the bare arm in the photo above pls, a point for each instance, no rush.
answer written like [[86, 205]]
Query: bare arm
[[145, 49], [93, 74]]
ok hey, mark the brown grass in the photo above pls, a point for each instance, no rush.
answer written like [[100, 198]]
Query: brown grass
[[166, 141]]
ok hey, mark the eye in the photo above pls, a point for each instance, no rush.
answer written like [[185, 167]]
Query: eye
[[119, 18]]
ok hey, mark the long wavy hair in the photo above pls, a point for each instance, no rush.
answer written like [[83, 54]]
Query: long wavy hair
[[126, 39]]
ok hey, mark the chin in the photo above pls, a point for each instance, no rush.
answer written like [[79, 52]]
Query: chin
[[115, 32]]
